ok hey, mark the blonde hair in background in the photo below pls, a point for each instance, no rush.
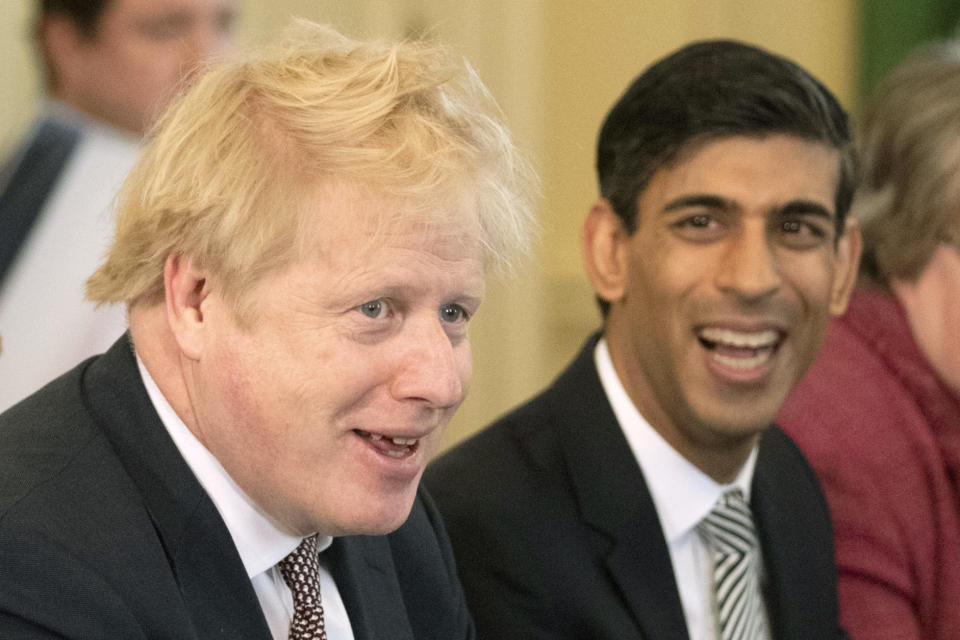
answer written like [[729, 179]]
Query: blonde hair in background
[[909, 199], [225, 176]]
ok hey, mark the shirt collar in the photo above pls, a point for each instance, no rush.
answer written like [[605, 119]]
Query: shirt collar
[[63, 113], [682, 493], [260, 540]]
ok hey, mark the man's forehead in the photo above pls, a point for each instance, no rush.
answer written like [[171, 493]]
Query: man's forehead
[[335, 212], [794, 159], [698, 144]]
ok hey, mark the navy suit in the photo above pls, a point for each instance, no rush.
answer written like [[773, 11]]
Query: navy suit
[[106, 533], [556, 534]]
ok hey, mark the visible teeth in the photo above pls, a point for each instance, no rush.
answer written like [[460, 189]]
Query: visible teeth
[[403, 441], [753, 340], [743, 363], [376, 436]]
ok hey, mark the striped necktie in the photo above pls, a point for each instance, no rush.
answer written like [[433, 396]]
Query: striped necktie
[[731, 537], [301, 572]]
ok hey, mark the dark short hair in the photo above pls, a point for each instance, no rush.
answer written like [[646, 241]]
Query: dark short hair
[[706, 91], [85, 14]]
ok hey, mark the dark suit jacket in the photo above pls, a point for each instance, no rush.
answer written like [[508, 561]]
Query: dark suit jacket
[[556, 534], [106, 533]]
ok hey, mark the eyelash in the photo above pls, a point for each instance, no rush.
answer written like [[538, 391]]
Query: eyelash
[[381, 304], [791, 227], [698, 221], [796, 226], [464, 314]]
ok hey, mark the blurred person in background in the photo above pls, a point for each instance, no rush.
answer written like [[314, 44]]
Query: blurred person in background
[[110, 67], [878, 415]]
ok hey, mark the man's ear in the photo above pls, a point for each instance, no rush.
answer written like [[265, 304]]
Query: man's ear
[[605, 251], [185, 290], [849, 246]]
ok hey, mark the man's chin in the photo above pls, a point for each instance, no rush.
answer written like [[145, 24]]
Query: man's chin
[[377, 519]]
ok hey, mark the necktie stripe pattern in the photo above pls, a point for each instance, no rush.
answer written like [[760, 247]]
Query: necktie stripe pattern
[[301, 572], [731, 537]]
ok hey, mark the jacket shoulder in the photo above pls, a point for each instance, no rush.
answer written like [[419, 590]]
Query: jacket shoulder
[[41, 436]]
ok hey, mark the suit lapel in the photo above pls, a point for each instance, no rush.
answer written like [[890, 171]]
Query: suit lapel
[[796, 584], [25, 189], [362, 567], [614, 499], [216, 590]]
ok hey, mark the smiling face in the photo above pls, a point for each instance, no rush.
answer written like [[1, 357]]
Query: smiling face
[[720, 297], [326, 410]]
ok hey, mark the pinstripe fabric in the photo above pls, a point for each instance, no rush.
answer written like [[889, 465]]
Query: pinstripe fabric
[[731, 537]]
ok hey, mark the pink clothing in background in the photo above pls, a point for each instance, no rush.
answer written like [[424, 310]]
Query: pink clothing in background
[[883, 433]]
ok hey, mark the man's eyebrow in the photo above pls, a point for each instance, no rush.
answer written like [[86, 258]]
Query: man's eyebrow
[[805, 208], [702, 200]]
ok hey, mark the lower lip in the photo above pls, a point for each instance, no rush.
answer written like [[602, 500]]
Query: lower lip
[[406, 467]]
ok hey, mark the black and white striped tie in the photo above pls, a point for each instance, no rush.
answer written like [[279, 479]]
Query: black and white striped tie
[[730, 536]]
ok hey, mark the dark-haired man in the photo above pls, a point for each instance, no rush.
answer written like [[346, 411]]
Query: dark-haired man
[[110, 67], [645, 494]]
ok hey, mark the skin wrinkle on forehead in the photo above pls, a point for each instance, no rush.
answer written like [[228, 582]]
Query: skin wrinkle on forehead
[[451, 220]]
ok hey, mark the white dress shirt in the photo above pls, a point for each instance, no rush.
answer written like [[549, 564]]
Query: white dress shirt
[[47, 325], [261, 541], [682, 494]]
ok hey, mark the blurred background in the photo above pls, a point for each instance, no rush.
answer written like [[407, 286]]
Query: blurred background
[[556, 66]]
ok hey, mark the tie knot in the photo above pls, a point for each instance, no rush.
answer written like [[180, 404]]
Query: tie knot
[[728, 528]]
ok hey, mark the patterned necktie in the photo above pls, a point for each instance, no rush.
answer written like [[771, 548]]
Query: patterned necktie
[[730, 536], [300, 571]]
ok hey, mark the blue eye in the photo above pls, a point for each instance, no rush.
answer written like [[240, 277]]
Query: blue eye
[[372, 309], [453, 313]]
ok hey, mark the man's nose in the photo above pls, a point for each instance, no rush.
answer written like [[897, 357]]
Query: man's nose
[[749, 267], [431, 368]]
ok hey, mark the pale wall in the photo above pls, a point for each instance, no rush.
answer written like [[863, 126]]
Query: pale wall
[[556, 66]]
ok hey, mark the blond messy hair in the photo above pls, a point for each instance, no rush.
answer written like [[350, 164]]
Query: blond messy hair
[[225, 173], [909, 201]]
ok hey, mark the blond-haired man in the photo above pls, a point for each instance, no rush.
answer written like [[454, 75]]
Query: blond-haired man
[[300, 248]]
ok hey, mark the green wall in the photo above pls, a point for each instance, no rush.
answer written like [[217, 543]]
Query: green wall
[[890, 29]]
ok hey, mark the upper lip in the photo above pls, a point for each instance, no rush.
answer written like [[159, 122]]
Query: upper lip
[[742, 333], [412, 435]]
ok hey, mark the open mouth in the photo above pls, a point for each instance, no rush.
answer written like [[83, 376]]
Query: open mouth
[[740, 350], [395, 447]]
